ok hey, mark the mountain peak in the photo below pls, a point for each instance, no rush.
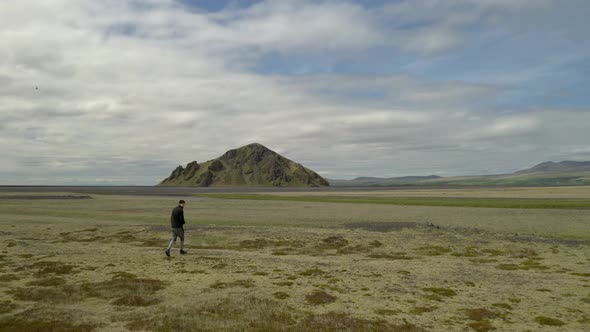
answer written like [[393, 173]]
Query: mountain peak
[[249, 165], [566, 165]]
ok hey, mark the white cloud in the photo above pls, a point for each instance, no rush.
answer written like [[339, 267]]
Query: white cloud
[[126, 94]]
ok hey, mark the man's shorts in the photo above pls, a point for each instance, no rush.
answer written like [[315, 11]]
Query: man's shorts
[[178, 232]]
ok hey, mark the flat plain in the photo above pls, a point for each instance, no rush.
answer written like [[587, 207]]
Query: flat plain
[[376, 260]]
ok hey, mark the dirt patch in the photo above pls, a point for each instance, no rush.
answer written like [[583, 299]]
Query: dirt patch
[[383, 226], [37, 197]]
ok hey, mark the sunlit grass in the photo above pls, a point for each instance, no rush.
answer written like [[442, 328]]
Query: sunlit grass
[[513, 203]]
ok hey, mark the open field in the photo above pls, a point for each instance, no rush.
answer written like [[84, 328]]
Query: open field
[[79, 261]]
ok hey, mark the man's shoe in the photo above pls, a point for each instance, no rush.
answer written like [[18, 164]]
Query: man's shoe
[[167, 253], [182, 252]]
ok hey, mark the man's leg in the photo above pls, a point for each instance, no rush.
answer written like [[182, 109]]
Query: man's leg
[[171, 241], [181, 235]]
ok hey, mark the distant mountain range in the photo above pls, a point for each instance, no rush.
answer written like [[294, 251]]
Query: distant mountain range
[[251, 165], [549, 173]]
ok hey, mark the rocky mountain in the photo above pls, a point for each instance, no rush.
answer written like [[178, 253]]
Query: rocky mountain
[[563, 166], [250, 165], [564, 173]]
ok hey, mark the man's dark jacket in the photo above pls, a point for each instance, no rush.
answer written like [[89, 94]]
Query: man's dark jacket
[[177, 217]]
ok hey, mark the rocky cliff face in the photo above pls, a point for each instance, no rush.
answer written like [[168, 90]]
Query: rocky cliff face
[[250, 165]]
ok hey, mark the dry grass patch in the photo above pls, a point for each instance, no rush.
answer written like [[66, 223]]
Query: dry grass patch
[[482, 326], [481, 318], [544, 320], [344, 322], [387, 312], [432, 250], [481, 314], [50, 320], [580, 274], [391, 256], [122, 284], [359, 248], [524, 253], [7, 306], [320, 297], [126, 287], [245, 283], [333, 242], [47, 282], [503, 306], [61, 294], [313, 272], [281, 295], [136, 300], [43, 268], [231, 314], [8, 277], [529, 264], [446, 292], [467, 252], [382, 226], [421, 310], [264, 243]]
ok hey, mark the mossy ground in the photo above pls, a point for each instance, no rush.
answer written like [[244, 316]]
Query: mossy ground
[[100, 272]]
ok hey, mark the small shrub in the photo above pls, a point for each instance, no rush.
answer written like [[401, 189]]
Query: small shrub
[[135, 301], [432, 250], [47, 282], [421, 310], [543, 320], [281, 295], [581, 274], [482, 326], [313, 272], [480, 314], [8, 277], [393, 256], [333, 242], [344, 322], [441, 291], [6, 307], [320, 297], [247, 283], [524, 253], [375, 244], [493, 252], [502, 305], [387, 312]]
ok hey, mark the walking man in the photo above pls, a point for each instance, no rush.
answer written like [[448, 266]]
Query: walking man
[[177, 222]]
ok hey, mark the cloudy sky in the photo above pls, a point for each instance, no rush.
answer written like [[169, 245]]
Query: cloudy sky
[[122, 91]]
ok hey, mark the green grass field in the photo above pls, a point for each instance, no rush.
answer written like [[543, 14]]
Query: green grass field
[[511, 203], [298, 262]]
